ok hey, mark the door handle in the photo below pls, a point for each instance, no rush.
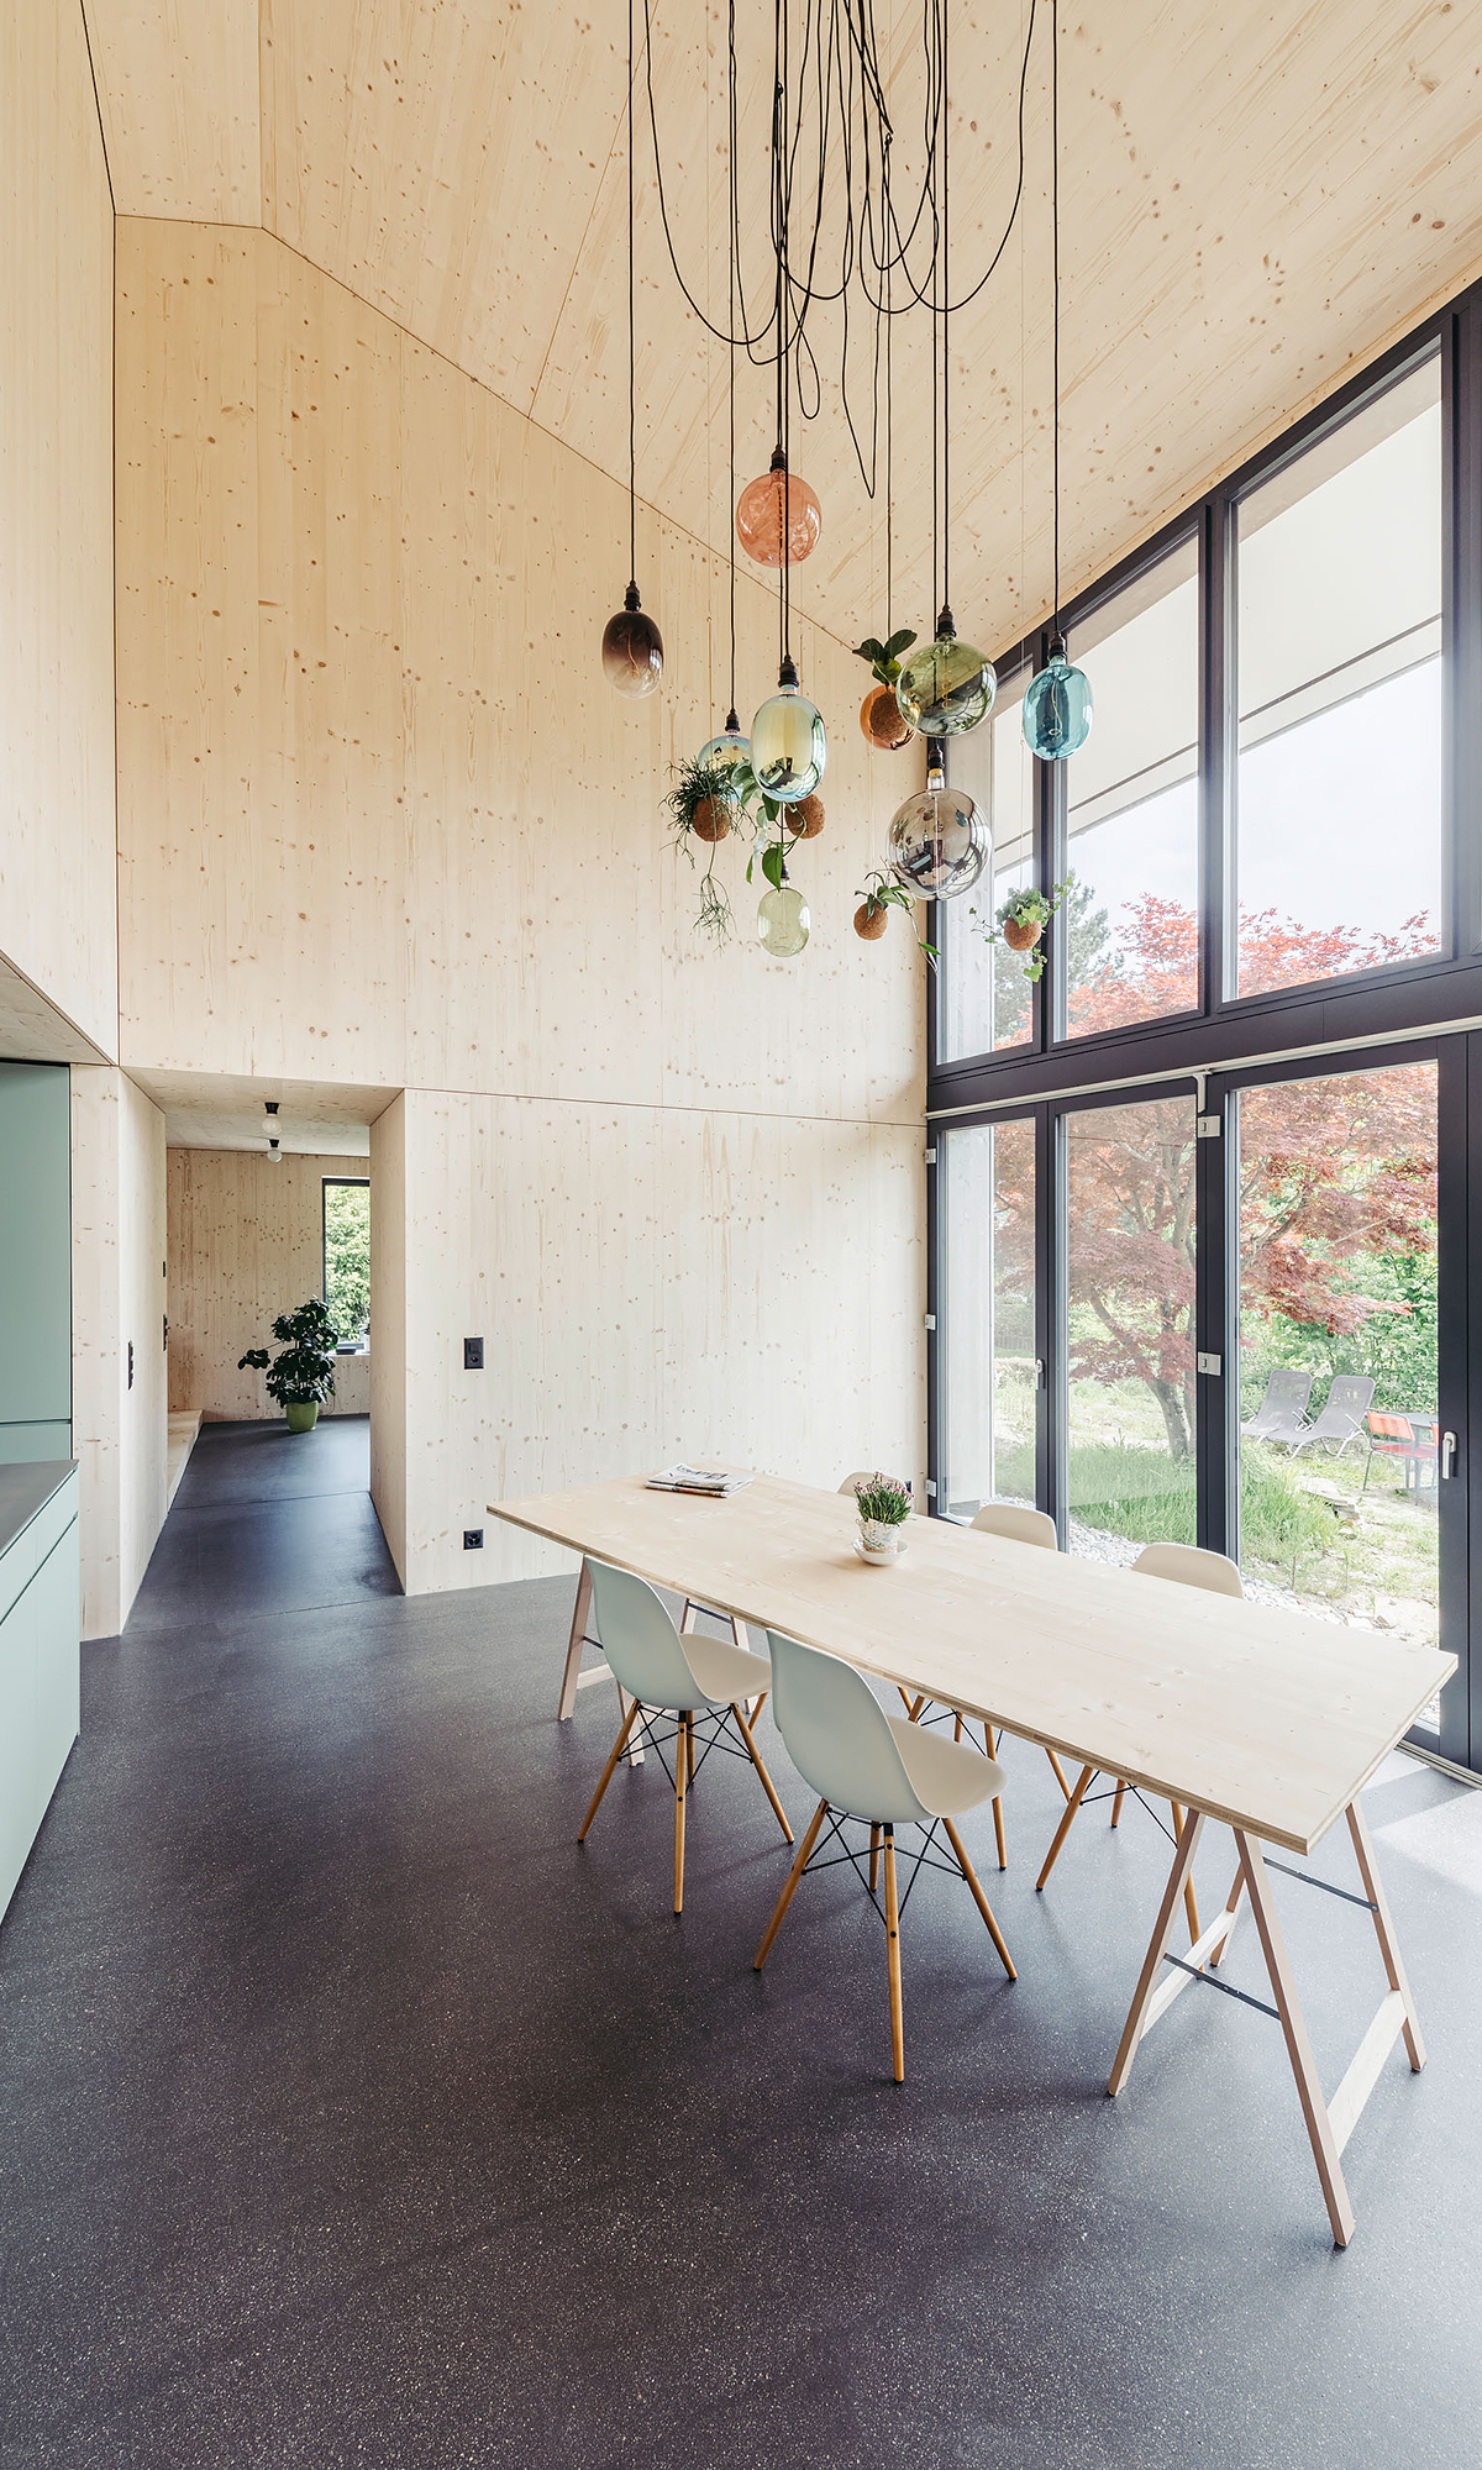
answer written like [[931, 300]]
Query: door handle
[[1448, 1454]]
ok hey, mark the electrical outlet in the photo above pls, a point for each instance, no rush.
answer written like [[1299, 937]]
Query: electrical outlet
[[473, 1355], [473, 1539]]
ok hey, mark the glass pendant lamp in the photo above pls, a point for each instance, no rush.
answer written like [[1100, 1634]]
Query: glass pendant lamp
[[1057, 708], [939, 840], [788, 746], [776, 502], [782, 921], [632, 649], [727, 752], [946, 686]]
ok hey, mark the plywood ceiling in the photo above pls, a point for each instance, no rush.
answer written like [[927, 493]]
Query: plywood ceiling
[[220, 1110], [1256, 196]]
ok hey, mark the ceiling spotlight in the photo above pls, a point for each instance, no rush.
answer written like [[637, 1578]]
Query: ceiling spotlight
[[275, 1154]]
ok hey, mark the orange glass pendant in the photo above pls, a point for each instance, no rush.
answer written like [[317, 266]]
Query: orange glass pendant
[[776, 503]]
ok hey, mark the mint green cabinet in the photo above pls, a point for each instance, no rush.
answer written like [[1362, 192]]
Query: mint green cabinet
[[39, 1624], [35, 1262]]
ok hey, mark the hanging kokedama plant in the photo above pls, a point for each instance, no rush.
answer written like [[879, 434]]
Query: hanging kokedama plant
[[805, 820], [880, 714], [877, 897], [1021, 923], [704, 800]]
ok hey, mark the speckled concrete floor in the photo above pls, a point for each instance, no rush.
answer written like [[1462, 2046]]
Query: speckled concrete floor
[[351, 2114]]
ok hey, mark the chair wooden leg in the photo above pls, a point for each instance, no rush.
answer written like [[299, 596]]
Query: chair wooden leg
[[1117, 1799], [1063, 1830], [681, 1779], [979, 1898], [575, 1645], [768, 1786], [1003, 1858], [1191, 1907], [756, 1710], [957, 1724], [913, 1706], [614, 1754], [874, 1856], [789, 1884], [893, 1958]]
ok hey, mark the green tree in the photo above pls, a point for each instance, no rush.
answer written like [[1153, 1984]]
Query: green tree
[[347, 1257]]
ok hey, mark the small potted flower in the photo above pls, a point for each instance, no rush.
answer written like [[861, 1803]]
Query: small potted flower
[[880, 715], [1021, 923], [884, 1507], [877, 897]]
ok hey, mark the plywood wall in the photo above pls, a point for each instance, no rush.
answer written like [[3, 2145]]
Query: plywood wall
[[246, 1243], [56, 523], [118, 1304], [382, 821]]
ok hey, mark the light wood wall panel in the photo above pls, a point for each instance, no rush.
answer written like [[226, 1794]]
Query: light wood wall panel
[[178, 90], [120, 1428], [246, 1243], [649, 1282], [57, 908], [390, 1230], [381, 818]]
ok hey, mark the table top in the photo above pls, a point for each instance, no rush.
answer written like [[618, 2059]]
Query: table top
[[1267, 1719]]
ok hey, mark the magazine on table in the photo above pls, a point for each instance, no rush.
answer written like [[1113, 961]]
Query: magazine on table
[[715, 1482]]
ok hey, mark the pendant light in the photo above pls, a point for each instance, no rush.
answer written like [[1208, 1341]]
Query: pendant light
[[945, 687], [939, 840], [632, 647], [778, 515], [730, 751], [1057, 703], [782, 921]]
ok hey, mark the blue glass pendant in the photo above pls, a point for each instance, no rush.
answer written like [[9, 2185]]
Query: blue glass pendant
[[1057, 709]]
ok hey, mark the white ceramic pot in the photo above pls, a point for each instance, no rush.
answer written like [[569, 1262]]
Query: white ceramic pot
[[880, 1541]]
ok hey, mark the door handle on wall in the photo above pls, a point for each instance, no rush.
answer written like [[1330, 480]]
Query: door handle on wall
[[1448, 1454]]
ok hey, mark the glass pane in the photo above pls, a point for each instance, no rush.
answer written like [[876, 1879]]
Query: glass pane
[[1130, 932], [1339, 803], [1130, 1357], [985, 996], [347, 1258], [1338, 1457], [987, 1199]]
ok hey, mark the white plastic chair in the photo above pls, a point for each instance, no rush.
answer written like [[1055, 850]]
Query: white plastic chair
[[882, 1772], [1188, 1565], [665, 1673], [1021, 1525], [851, 1484]]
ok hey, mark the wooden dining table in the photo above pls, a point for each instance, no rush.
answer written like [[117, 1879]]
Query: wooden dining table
[[1244, 1714]]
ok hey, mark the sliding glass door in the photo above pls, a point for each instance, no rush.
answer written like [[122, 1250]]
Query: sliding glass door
[[986, 1288]]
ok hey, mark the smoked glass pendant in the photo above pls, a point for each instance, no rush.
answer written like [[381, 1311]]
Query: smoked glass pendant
[[782, 922], [632, 649], [1057, 709], [939, 841], [788, 747], [778, 499], [945, 686]]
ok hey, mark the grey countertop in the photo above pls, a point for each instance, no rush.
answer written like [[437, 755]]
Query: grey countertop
[[25, 1489]]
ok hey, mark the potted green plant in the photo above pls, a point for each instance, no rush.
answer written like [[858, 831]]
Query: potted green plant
[[1021, 923], [884, 1507], [303, 1373], [878, 895], [703, 801], [880, 715]]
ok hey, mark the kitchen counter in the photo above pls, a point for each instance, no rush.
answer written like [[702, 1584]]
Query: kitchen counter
[[25, 1489]]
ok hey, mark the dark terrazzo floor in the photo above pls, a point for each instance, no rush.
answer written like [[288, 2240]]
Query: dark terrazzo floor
[[351, 2114]]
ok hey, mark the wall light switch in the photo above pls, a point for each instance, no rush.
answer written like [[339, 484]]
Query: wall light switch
[[131, 1363], [473, 1355], [473, 1539]]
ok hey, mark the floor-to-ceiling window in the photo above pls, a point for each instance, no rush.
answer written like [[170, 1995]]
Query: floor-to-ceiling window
[[1203, 1269]]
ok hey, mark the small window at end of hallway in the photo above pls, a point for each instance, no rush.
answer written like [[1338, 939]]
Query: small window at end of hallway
[[1338, 812], [347, 1256]]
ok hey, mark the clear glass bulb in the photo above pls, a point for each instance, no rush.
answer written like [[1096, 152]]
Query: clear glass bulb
[[788, 746], [939, 841], [727, 752], [782, 922], [1057, 709], [945, 686], [760, 517]]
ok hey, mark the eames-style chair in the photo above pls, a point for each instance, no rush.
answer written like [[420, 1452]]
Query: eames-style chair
[[879, 1771], [579, 1675], [1021, 1525], [677, 1680], [1188, 1565]]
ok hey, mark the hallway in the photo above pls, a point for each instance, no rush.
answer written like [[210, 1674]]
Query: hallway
[[351, 2113]]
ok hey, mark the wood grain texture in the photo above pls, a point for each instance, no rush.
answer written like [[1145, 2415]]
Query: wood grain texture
[[56, 525], [178, 91], [648, 1283], [388, 1399], [120, 1432], [246, 1243], [1265, 1719], [1253, 204], [381, 820]]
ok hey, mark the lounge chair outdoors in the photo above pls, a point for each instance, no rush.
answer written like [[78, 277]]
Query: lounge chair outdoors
[[1342, 1418], [1281, 1415]]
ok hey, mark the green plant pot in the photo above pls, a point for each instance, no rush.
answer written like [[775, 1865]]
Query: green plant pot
[[302, 1414]]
